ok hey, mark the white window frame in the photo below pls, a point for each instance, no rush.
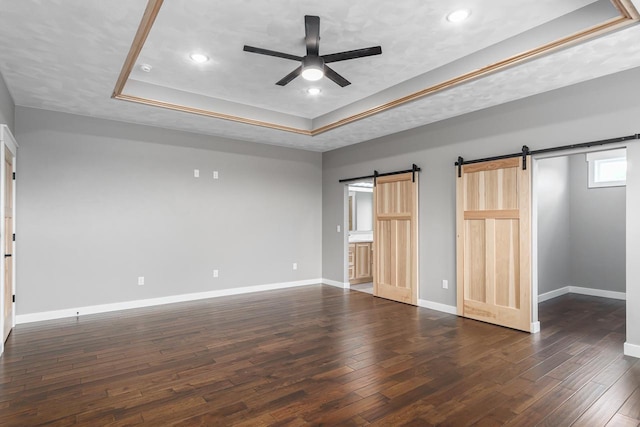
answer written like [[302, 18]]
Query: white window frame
[[598, 156]]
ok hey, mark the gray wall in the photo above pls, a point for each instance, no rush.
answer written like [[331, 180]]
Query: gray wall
[[101, 203], [598, 220], [7, 107], [598, 109], [554, 261]]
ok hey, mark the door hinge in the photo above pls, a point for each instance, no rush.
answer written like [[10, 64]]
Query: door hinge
[[14, 298], [14, 176], [14, 237]]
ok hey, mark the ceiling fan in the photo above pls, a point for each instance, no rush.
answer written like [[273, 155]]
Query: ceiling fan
[[314, 66]]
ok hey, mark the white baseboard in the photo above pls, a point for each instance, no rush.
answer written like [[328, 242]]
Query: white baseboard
[[582, 291], [450, 309], [104, 308], [598, 293], [535, 327], [553, 294], [632, 350], [335, 283]]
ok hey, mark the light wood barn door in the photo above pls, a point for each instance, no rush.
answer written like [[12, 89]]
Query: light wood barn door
[[8, 245], [395, 253], [494, 243]]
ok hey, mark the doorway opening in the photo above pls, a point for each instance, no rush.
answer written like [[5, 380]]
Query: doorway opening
[[359, 229], [579, 225]]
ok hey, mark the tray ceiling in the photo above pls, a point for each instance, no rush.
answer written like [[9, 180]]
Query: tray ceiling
[[69, 55]]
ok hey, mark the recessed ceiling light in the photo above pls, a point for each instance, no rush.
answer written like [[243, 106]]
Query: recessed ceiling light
[[313, 91], [199, 58], [458, 15], [145, 67]]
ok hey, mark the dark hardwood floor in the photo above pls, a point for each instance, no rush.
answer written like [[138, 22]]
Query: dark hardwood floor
[[322, 356]]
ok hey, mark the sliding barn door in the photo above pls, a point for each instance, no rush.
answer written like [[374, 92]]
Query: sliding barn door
[[395, 253], [494, 243]]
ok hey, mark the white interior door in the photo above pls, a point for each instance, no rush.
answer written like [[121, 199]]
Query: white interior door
[[7, 230]]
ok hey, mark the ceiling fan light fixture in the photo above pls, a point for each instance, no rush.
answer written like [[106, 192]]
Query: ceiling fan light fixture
[[458, 15], [312, 74], [312, 68], [199, 58]]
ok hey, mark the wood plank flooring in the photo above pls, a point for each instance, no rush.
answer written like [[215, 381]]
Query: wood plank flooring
[[319, 355]]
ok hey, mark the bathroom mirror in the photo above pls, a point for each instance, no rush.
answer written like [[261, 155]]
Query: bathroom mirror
[[361, 207]]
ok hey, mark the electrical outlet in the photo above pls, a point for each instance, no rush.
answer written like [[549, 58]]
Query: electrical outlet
[[295, 265], [215, 174], [338, 229], [445, 284], [196, 173], [215, 273], [140, 280]]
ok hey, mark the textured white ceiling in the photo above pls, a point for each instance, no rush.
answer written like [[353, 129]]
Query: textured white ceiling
[[414, 35], [66, 55]]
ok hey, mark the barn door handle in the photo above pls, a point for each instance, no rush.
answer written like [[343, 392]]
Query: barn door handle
[[7, 255]]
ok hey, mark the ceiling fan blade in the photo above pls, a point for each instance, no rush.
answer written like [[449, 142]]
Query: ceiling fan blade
[[312, 34], [292, 75], [335, 77], [271, 53], [352, 54]]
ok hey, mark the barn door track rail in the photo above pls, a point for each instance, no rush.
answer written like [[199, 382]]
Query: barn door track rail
[[526, 152], [376, 175]]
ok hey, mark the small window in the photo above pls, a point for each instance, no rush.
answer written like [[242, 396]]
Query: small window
[[607, 168]]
